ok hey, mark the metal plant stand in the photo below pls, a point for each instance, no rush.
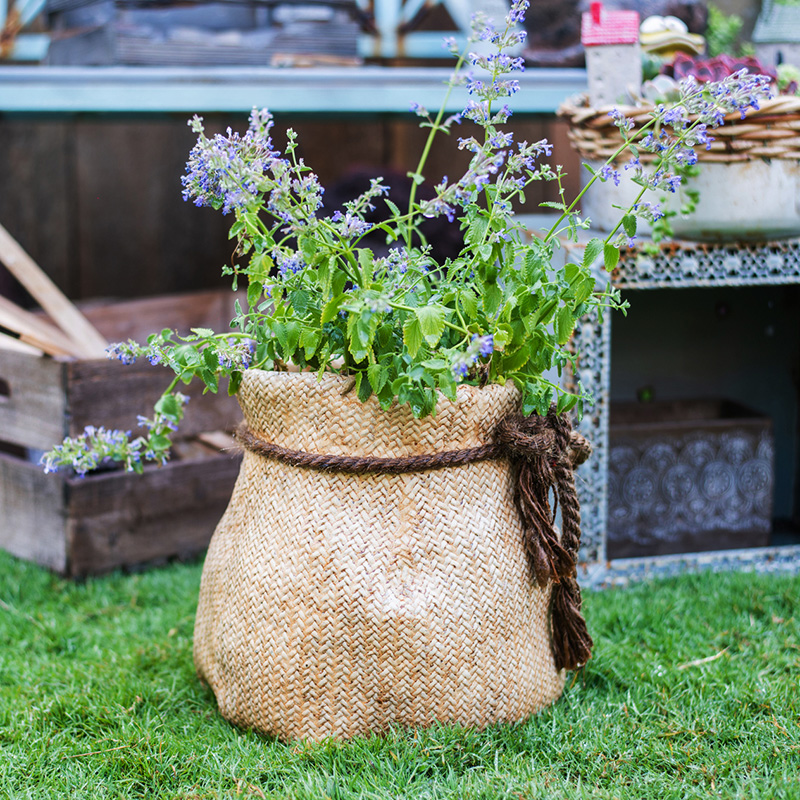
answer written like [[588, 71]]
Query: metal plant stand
[[677, 265]]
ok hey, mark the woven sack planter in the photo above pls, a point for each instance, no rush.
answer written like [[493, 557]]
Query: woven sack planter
[[335, 603], [749, 180]]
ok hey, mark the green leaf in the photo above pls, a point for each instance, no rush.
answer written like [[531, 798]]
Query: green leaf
[[186, 356], [447, 385], [515, 361], [309, 341], [332, 308], [477, 230], [503, 334], [416, 177], [485, 252], [610, 256], [571, 272], [629, 224], [566, 402], [299, 301], [288, 334], [203, 333], [546, 310], [377, 375], [366, 259], [308, 247], [392, 207], [385, 335], [254, 291], [412, 335], [358, 352], [158, 441], [363, 388], [358, 337], [362, 327], [565, 322], [338, 283], [324, 274], [469, 303], [431, 320], [210, 359], [533, 265], [584, 289], [169, 406], [594, 247], [234, 382], [210, 379], [259, 266], [492, 297]]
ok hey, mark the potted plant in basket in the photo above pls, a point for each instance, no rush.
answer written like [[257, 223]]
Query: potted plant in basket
[[389, 554], [748, 186]]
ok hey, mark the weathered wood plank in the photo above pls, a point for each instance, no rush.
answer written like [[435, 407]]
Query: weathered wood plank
[[120, 519], [112, 394], [32, 518], [137, 319], [37, 197], [33, 404], [108, 393], [45, 399], [35, 330]]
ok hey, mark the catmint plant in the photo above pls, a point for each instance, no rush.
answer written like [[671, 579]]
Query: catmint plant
[[402, 326]]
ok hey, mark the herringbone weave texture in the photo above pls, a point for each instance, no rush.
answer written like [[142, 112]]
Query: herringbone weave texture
[[335, 604]]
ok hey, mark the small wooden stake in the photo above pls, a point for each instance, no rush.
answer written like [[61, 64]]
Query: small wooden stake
[[88, 341], [36, 331], [18, 345]]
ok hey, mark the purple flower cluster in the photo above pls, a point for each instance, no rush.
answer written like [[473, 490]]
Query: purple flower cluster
[[233, 172], [397, 261], [349, 225], [607, 173], [649, 211], [93, 447], [234, 354], [126, 352], [228, 171], [288, 261], [479, 347], [675, 131]]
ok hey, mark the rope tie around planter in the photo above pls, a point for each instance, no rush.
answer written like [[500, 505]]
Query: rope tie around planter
[[544, 451]]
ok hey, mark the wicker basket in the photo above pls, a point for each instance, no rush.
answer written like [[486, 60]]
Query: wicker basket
[[336, 605], [772, 131], [749, 182]]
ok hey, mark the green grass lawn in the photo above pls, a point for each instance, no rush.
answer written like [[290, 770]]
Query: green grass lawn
[[98, 699]]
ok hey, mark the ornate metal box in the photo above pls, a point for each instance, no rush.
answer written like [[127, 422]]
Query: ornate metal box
[[688, 476]]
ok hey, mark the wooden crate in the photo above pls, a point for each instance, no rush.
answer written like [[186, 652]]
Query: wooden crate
[[111, 519]]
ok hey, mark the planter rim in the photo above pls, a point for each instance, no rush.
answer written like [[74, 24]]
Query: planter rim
[[278, 405]]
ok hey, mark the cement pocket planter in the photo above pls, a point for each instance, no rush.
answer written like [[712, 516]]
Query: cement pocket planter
[[335, 603], [755, 200]]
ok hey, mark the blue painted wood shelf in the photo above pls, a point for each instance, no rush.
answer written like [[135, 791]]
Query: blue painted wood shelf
[[365, 89]]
